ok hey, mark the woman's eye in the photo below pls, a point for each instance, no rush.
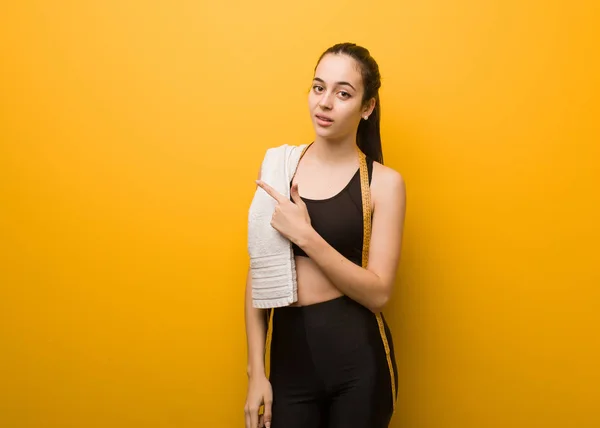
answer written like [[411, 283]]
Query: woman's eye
[[317, 88], [345, 94]]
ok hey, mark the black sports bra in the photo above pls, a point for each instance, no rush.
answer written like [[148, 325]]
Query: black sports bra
[[339, 219]]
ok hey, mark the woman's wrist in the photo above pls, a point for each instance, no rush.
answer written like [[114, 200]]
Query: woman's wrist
[[305, 236], [255, 370]]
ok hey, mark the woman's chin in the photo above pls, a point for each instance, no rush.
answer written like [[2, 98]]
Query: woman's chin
[[331, 136], [325, 132]]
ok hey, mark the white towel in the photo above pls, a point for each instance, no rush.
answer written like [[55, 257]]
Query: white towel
[[272, 262]]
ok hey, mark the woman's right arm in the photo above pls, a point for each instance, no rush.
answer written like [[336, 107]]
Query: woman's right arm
[[256, 331], [259, 387]]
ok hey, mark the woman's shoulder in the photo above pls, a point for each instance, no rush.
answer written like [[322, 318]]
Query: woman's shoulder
[[284, 151], [284, 155], [285, 147], [387, 182], [387, 176]]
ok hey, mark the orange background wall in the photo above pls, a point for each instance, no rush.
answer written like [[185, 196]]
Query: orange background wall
[[130, 136]]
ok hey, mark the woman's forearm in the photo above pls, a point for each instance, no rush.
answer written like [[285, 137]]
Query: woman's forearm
[[255, 333], [358, 283]]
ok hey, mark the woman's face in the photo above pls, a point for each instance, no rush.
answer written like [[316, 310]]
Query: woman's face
[[335, 99]]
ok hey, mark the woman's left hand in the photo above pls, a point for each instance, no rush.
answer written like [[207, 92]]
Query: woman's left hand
[[291, 219]]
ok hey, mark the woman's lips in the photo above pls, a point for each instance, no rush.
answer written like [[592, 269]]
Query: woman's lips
[[323, 120]]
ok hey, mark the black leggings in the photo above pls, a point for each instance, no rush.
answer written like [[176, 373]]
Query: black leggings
[[329, 368]]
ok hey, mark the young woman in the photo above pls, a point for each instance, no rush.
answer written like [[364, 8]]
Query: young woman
[[331, 358]]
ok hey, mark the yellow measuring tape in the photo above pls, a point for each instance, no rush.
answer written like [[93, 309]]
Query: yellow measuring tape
[[366, 204]]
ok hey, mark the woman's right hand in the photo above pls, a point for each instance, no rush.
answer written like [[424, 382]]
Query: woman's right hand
[[259, 393]]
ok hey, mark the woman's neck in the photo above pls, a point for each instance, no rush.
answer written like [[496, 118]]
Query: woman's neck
[[329, 151]]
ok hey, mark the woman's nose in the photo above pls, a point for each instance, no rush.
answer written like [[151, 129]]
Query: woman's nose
[[325, 101]]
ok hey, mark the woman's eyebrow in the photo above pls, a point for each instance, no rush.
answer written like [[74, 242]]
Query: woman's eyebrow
[[337, 83]]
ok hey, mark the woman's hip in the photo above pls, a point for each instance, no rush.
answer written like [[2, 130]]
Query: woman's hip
[[333, 342]]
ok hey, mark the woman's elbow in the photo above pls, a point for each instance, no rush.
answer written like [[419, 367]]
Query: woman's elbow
[[379, 302]]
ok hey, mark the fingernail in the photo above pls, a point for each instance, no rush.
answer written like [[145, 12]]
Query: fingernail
[[267, 424]]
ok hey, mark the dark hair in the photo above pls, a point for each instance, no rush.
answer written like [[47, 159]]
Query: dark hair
[[368, 137]]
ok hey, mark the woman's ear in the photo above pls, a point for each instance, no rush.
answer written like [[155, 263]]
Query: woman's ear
[[369, 107]]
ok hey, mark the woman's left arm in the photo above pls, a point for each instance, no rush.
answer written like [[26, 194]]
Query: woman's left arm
[[371, 287]]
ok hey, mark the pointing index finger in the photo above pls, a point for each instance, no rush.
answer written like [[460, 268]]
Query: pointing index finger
[[272, 192]]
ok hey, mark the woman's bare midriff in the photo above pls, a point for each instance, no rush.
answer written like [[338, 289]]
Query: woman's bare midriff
[[313, 285]]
